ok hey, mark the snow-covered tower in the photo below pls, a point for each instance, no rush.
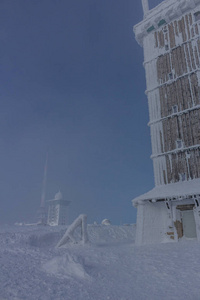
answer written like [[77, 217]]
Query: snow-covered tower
[[170, 37], [57, 212]]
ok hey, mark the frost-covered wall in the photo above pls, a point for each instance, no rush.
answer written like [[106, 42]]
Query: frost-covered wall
[[153, 223], [168, 220], [170, 36], [57, 211]]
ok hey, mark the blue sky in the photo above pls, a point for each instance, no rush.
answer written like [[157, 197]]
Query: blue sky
[[72, 83]]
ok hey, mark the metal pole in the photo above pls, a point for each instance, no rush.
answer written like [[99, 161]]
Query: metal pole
[[145, 6], [42, 217]]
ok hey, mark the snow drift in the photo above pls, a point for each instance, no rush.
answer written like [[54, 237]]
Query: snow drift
[[110, 267]]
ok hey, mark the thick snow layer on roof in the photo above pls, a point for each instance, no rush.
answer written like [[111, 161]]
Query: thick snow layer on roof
[[183, 188]]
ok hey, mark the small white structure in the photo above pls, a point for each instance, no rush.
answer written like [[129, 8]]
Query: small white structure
[[81, 221], [57, 212], [106, 222]]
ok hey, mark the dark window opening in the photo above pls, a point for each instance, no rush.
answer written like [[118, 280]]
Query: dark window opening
[[179, 144], [161, 22], [175, 109], [170, 76], [150, 28]]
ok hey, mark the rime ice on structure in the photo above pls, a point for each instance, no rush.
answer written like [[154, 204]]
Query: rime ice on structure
[[81, 222], [57, 212], [170, 37]]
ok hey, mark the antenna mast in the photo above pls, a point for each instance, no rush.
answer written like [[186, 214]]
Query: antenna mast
[[42, 217], [145, 6]]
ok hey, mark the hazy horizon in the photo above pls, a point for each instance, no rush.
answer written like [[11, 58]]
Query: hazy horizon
[[72, 85]]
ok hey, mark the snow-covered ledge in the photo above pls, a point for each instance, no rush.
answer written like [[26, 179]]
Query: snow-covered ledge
[[178, 190]]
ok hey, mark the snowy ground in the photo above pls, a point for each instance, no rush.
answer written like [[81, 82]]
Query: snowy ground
[[110, 267]]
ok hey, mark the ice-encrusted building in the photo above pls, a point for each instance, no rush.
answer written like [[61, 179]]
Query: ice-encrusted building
[[57, 211], [170, 37]]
